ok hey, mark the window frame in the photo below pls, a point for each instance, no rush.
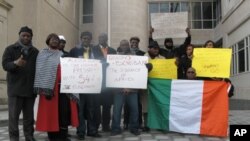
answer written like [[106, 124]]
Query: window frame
[[202, 21], [89, 14], [235, 56]]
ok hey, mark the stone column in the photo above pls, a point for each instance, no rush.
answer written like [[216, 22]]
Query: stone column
[[129, 18], [121, 19]]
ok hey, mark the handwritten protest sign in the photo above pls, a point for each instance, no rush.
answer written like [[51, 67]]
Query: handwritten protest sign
[[169, 25], [212, 62], [126, 71], [80, 75], [163, 68]]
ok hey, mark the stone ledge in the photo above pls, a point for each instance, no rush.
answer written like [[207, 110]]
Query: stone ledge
[[3, 107], [239, 104], [3, 101], [5, 4]]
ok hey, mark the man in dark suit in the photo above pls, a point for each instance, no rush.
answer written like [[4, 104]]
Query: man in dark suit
[[105, 99], [87, 102], [19, 61]]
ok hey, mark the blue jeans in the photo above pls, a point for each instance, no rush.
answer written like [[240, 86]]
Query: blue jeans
[[132, 100]]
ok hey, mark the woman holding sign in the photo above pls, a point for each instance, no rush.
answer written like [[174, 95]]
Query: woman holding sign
[[209, 44]]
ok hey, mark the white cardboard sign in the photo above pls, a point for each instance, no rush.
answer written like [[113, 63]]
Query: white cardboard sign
[[127, 71], [169, 25], [83, 76]]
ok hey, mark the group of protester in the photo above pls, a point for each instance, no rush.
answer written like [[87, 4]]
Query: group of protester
[[31, 73]]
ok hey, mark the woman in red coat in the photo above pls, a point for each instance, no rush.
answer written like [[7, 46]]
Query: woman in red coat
[[55, 111]]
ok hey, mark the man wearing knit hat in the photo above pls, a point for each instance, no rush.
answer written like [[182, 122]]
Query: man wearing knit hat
[[19, 61]]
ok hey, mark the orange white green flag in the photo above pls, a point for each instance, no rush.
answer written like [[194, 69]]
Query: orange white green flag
[[188, 106]]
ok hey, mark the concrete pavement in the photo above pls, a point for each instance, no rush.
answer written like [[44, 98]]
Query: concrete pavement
[[235, 117]]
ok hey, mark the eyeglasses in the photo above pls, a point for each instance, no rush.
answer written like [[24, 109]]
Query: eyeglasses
[[190, 72]]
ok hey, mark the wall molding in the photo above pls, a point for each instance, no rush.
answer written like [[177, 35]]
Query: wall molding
[[5, 4], [230, 12], [245, 19]]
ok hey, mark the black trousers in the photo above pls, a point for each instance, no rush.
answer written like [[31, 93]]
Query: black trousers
[[105, 99], [16, 105], [64, 118], [87, 109]]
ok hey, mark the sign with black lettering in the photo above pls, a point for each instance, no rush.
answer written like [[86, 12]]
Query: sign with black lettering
[[239, 132], [169, 25], [127, 71], [83, 76]]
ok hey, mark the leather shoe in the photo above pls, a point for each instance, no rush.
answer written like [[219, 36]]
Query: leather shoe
[[68, 135], [135, 132], [95, 135], [125, 127], [30, 139], [67, 139], [106, 129], [114, 133], [81, 137], [145, 129]]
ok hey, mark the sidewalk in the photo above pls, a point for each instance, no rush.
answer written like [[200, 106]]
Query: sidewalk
[[3, 114], [235, 117]]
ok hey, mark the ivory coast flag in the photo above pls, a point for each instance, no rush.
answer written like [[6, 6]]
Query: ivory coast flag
[[188, 106]]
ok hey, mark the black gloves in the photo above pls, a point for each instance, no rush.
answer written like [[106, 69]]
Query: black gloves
[[227, 80], [48, 97], [149, 66]]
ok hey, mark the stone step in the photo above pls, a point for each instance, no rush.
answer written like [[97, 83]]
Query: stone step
[[3, 101], [3, 107]]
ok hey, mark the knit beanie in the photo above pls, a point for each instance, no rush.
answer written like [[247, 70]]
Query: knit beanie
[[26, 29]]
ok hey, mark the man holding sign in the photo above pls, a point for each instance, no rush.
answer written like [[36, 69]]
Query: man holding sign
[[168, 26], [125, 95], [134, 46], [105, 98], [87, 101], [170, 51]]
